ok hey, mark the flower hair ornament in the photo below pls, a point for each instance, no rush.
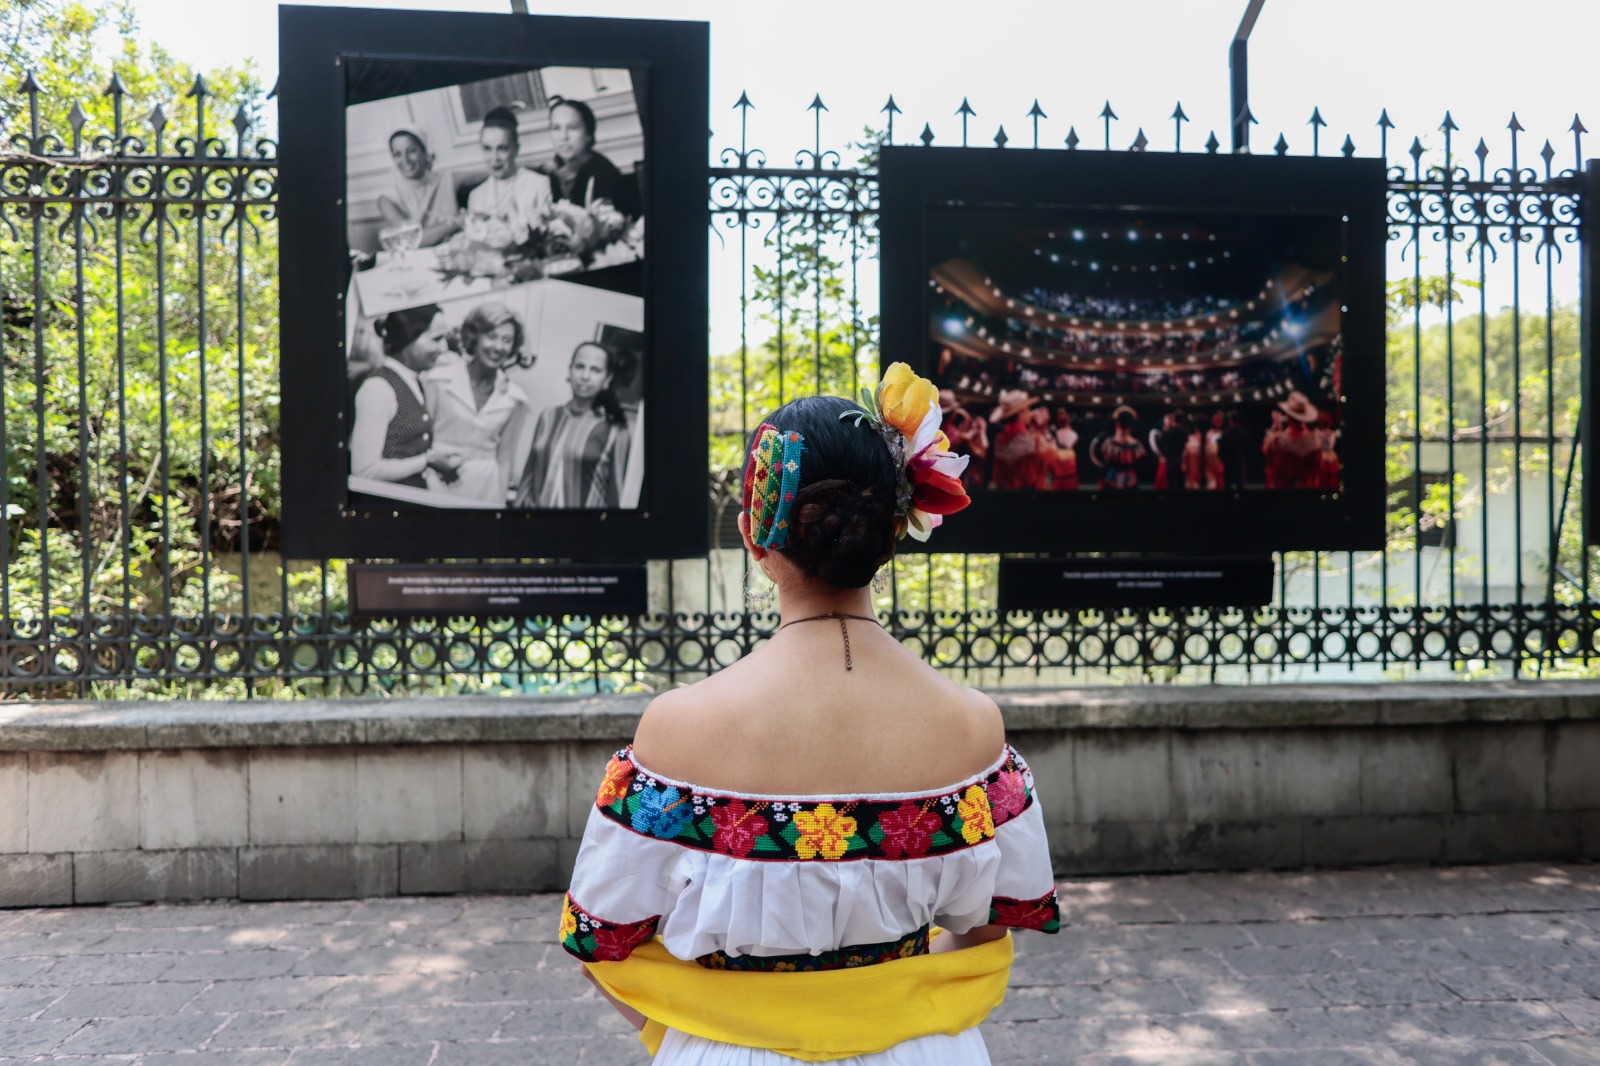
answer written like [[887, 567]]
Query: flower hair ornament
[[771, 479], [905, 412]]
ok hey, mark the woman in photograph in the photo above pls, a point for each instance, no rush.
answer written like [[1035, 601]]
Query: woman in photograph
[[580, 448], [392, 438], [1298, 449], [1121, 453], [763, 867], [477, 411], [1064, 459], [579, 174], [419, 201], [504, 209], [1272, 451], [1019, 447]]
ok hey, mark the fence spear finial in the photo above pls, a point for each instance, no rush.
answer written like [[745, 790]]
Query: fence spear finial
[[966, 112], [1036, 113], [1109, 116], [891, 109], [927, 135], [1348, 149], [1000, 138], [1282, 147], [1178, 119], [199, 87], [115, 87], [1212, 144], [1072, 138], [1139, 142]]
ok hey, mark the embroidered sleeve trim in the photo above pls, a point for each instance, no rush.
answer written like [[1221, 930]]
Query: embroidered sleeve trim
[[812, 830], [596, 940], [1043, 914]]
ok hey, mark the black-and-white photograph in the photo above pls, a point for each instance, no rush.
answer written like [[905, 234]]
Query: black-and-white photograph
[[524, 398], [464, 190], [472, 330]]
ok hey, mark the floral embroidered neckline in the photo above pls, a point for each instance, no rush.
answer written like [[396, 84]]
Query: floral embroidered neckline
[[904, 826], [1006, 753]]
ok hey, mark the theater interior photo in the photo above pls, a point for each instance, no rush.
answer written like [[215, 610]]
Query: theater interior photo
[[1118, 350]]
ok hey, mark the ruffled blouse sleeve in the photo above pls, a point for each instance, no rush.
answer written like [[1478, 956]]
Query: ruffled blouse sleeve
[[624, 882], [1024, 894]]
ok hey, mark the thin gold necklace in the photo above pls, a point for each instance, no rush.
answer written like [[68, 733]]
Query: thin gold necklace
[[844, 630]]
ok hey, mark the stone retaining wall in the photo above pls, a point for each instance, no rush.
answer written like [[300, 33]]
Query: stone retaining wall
[[141, 801]]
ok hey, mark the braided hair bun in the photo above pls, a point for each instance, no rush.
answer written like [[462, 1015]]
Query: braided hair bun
[[842, 519]]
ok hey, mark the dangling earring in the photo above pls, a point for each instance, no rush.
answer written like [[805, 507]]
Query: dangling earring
[[757, 600], [880, 580]]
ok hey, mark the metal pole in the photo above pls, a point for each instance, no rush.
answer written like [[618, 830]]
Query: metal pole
[[519, 7], [1239, 71]]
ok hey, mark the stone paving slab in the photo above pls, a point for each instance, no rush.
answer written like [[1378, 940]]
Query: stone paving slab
[[1484, 966]]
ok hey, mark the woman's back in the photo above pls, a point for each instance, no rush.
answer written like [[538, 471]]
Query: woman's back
[[822, 805], [889, 724]]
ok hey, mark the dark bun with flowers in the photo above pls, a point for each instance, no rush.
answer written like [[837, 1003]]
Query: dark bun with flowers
[[831, 484]]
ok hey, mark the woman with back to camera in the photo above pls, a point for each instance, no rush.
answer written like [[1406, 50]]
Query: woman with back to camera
[[579, 174], [391, 438], [580, 448], [478, 411], [793, 828]]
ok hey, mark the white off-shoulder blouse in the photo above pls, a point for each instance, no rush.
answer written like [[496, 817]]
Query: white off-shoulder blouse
[[776, 883]]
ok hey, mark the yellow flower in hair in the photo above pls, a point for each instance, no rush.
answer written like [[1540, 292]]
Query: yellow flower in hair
[[904, 399]]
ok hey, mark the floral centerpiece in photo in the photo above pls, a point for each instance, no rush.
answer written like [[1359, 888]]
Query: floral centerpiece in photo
[[564, 238]]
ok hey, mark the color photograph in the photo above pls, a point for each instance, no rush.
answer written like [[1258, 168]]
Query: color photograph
[[1086, 350]]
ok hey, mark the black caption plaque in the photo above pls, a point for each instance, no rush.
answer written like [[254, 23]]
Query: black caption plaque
[[449, 591], [1067, 584]]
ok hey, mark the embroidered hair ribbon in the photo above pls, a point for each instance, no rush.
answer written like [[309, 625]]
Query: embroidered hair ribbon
[[814, 1017], [771, 479]]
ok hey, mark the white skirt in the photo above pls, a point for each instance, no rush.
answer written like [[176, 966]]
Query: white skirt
[[963, 1049]]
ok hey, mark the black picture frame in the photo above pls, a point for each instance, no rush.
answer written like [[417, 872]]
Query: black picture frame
[[916, 180], [400, 52], [1588, 307]]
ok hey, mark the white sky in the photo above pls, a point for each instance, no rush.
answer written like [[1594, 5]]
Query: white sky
[[1351, 58]]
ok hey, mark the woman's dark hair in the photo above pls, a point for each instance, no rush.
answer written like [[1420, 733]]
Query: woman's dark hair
[[399, 329], [619, 365], [502, 118], [841, 525], [1124, 419], [584, 112]]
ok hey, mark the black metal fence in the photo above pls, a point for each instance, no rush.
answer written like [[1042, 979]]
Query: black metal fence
[[140, 424]]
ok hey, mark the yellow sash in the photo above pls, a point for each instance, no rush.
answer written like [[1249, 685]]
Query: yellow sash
[[817, 1016]]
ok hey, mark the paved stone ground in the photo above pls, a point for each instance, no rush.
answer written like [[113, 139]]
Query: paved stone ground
[[1482, 965]]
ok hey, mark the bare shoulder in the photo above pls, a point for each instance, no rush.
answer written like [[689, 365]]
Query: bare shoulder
[[986, 724], [672, 732]]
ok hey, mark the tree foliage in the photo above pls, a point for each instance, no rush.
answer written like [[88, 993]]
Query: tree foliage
[[140, 397]]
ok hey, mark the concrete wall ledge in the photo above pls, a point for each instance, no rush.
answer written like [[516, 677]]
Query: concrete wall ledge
[[348, 798], [140, 726]]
